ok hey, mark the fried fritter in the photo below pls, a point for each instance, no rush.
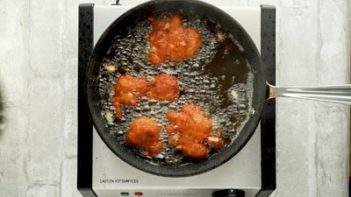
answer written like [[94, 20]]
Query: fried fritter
[[188, 130], [145, 133], [171, 41], [164, 87], [128, 89]]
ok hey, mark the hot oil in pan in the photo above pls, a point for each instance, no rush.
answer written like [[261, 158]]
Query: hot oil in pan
[[217, 78], [230, 67]]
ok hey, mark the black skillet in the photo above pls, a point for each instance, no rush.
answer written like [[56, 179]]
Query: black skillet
[[208, 12]]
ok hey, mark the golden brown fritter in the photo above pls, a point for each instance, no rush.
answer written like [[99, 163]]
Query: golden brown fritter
[[128, 89], [171, 41], [188, 130], [164, 87], [144, 133]]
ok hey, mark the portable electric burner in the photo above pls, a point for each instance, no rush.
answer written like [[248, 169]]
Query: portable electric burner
[[251, 172]]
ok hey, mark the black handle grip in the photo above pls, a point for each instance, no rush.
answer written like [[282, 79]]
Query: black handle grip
[[229, 193]]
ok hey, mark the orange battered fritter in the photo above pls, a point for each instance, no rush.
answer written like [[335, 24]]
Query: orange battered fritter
[[171, 41], [188, 130], [164, 87], [128, 89], [145, 133]]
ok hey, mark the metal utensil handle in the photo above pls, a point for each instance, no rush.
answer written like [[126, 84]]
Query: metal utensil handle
[[335, 94]]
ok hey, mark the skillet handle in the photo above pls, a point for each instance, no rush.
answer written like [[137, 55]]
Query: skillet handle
[[335, 94]]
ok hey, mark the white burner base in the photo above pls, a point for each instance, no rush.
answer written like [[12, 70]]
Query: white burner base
[[111, 175]]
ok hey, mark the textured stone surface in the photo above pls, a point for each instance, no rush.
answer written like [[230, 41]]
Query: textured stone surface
[[44, 137], [69, 64], [12, 181], [42, 191], [38, 96], [69, 179], [45, 37]]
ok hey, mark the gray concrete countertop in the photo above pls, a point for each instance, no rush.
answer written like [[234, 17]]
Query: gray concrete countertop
[[38, 96]]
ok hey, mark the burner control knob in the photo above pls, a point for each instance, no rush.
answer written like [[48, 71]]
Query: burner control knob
[[229, 193]]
